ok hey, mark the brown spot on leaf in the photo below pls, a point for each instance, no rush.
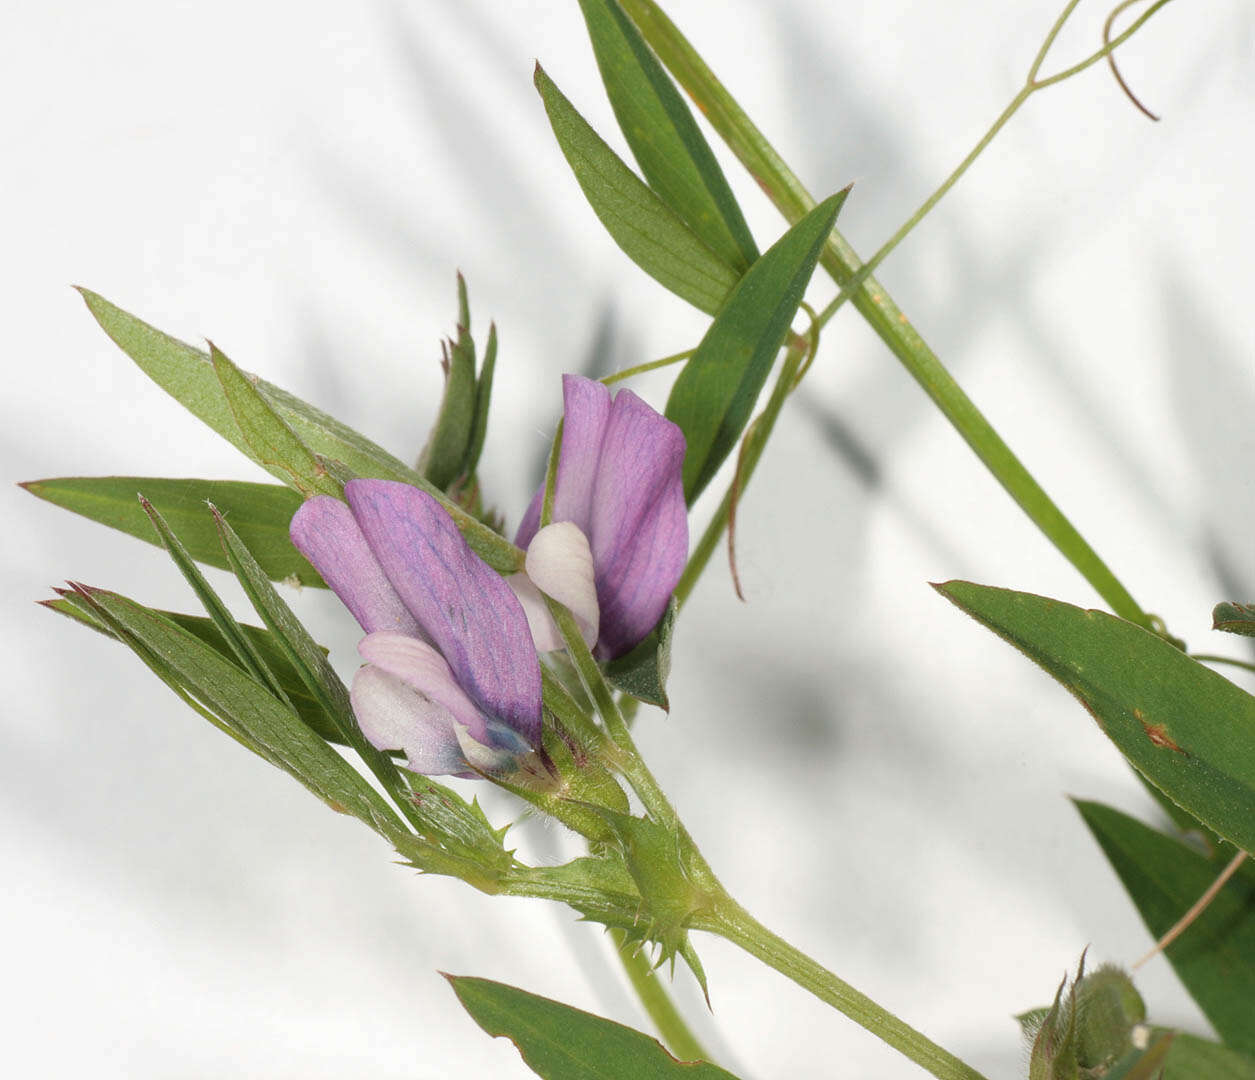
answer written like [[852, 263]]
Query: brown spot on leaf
[[1157, 733]]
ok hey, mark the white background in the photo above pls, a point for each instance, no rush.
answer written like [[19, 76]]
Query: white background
[[876, 777]]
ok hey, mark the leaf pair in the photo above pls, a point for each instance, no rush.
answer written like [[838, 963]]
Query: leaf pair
[[299, 444], [1191, 733], [684, 228]]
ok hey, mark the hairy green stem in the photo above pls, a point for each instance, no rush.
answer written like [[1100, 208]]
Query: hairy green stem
[[876, 306], [667, 1019], [735, 924]]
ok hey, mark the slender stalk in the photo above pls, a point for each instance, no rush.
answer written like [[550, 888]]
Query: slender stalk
[[1210, 659], [667, 1019], [1200, 905], [640, 369], [1032, 84], [867, 295], [734, 923], [756, 437]]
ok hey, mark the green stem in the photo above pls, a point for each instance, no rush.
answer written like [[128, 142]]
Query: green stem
[[876, 306], [640, 369], [735, 924], [657, 1002], [756, 437], [1031, 85], [1210, 659]]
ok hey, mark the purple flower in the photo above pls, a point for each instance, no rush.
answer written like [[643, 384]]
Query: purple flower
[[452, 676], [619, 536]]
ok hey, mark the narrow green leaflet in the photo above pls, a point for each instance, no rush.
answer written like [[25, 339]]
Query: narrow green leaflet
[[1190, 731], [643, 672], [188, 375], [444, 457], [306, 705], [1215, 957], [559, 1042], [671, 151], [650, 233], [714, 395], [1192, 1058], [260, 513], [271, 443], [222, 688], [239, 644], [483, 401], [1234, 618]]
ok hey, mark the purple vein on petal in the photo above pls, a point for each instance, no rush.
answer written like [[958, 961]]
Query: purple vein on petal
[[325, 532], [465, 607], [639, 529], [586, 411]]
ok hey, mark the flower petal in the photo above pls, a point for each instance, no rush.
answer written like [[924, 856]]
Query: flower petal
[[324, 531], [586, 411], [395, 716], [639, 527], [545, 633], [421, 668], [464, 607], [560, 564]]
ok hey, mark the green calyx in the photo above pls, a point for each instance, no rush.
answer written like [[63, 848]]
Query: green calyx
[[1087, 1029]]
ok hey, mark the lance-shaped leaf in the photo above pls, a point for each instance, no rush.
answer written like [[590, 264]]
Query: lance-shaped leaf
[[559, 1042], [77, 603], [294, 689], [239, 644], [258, 512], [188, 375], [671, 151], [1188, 730], [1234, 618], [271, 443], [714, 395], [1215, 957], [483, 400], [223, 689], [442, 458], [650, 233]]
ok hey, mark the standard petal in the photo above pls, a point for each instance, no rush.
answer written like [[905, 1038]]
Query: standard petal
[[394, 716], [324, 531], [421, 668], [639, 526], [560, 564], [545, 633], [586, 411], [464, 607]]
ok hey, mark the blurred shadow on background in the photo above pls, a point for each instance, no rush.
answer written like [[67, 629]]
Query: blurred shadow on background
[[1003, 290], [497, 183], [1215, 408], [850, 450]]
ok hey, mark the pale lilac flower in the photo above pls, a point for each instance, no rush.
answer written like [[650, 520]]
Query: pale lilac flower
[[619, 537], [452, 676]]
